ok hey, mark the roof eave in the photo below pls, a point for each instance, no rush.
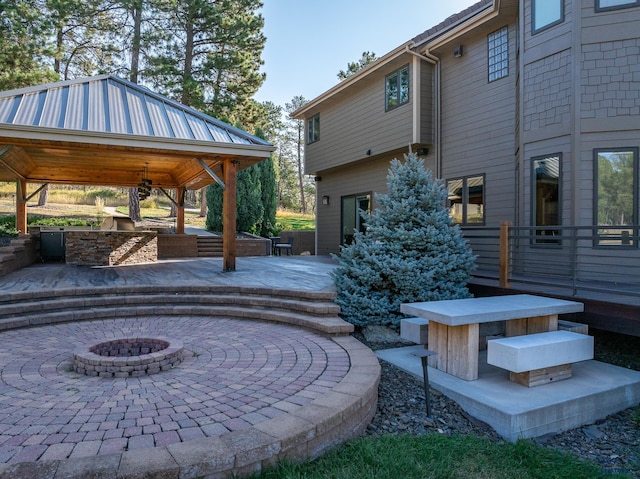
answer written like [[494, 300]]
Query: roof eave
[[134, 141], [459, 28]]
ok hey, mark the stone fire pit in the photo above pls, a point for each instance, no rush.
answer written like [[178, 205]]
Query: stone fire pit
[[128, 357]]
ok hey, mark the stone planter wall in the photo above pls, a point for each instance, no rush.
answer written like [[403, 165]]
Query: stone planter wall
[[21, 252], [110, 248], [177, 246]]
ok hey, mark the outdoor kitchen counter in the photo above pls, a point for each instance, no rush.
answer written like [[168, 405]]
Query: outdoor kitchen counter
[[110, 248]]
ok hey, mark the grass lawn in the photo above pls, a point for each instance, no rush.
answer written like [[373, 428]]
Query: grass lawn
[[295, 221], [437, 456]]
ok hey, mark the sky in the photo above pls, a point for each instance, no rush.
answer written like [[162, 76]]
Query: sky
[[310, 41]]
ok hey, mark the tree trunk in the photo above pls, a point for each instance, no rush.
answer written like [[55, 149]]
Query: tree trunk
[[300, 180], [134, 205], [44, 196], [203, 202], [136, 14]]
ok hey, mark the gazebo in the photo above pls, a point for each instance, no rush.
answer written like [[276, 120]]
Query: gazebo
[[104, 130]]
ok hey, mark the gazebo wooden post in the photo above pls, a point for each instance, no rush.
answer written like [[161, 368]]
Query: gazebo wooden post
[[180, 210], [229, 216], [21, 206]]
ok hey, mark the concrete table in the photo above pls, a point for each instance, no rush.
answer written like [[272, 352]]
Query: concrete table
[[454, 325]]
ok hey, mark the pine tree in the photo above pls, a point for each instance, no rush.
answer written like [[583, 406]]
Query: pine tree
[[214, 207], [268, 193], [249, 204], [410, 251]]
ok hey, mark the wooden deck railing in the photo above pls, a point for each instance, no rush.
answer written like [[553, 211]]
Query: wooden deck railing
[[603, 259]]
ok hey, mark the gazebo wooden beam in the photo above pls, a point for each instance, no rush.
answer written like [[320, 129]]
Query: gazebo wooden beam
[[21, 206], [229, 216]]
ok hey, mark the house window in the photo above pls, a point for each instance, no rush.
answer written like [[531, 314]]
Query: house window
[[352, 216], [546, 13], [397, 88], [604, 5], [616, 198], [465, 198], [498, 43], [546, 198], [313, 128]]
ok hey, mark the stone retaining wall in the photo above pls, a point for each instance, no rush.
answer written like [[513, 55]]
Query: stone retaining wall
[[177, 246], [21, 252], [110, 248]]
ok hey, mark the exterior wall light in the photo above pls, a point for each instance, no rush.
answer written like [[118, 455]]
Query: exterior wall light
[[457, 52], [325, 200]]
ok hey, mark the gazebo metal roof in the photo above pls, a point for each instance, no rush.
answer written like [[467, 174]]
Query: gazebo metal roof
[[104, 130]]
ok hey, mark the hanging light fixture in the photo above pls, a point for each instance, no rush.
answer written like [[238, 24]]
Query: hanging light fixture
[[144, 187]]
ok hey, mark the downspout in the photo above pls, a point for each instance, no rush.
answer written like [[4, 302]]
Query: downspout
[[434, 60]]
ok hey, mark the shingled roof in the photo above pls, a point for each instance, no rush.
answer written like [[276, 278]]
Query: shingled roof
[[452, 21]]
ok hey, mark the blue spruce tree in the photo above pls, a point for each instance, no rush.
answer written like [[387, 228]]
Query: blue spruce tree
[[410, 251]]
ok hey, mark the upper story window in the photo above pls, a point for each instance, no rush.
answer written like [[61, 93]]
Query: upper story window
[[465, 197], [396, 88], [546, 13], [313, 128], [603, 5], [498, 43]]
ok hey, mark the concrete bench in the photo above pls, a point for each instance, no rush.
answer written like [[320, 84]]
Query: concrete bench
[[415, 330], [536, 359]]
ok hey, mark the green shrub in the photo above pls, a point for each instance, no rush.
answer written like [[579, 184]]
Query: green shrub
[[149, 203]]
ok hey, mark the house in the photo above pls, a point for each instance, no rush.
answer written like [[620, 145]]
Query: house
[[529, 110]]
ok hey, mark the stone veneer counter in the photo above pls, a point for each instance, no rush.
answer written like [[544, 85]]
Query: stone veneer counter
[[110, 248]]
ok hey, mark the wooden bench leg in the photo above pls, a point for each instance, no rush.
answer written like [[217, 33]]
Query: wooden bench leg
[[533, 325], [538, 377]]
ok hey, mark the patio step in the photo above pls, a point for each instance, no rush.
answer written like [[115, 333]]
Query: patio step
[[312, 310], [209, 246]]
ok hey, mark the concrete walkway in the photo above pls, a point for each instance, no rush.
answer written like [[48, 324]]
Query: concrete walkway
[[246, 394]]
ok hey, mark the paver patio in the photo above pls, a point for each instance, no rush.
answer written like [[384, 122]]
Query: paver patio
[[247, 392]]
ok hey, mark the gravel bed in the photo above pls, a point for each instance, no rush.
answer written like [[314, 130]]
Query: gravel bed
[[612, 443]]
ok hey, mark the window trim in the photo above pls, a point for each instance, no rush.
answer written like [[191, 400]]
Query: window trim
[[535, 30], [489, 56], [599, 9], [541, 242], [313, 125], [636, 162], [386, 98], [465, 199]]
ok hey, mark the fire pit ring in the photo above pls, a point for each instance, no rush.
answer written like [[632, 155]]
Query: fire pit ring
[[128, 357]]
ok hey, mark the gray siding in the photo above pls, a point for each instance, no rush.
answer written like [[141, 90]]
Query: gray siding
[[364, 177], [358, 122], [478, 123]]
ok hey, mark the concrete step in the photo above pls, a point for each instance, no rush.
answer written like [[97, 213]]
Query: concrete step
[[312, 310], [209, 246], [328, 324], [315, 308]]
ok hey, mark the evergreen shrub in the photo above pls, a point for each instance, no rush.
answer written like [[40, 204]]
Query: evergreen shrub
[[411, 251]]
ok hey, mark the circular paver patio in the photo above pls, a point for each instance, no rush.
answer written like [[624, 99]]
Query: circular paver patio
[[235, 374]]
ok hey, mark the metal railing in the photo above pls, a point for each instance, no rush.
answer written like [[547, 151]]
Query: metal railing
[[580, 260]]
